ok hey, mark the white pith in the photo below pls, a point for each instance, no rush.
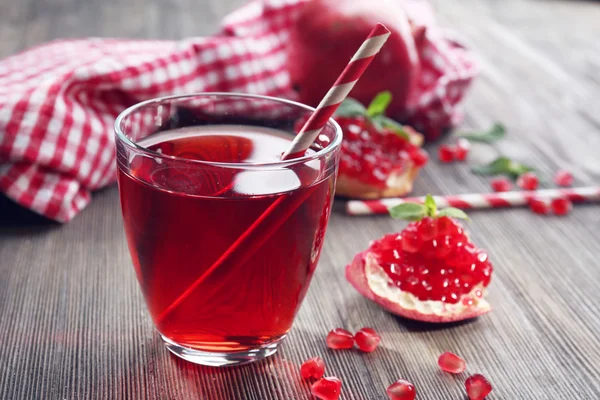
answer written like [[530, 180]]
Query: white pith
[[383, 286]]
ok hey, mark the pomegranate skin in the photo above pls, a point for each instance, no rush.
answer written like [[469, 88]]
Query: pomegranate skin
[[357, 276], [328, 33]]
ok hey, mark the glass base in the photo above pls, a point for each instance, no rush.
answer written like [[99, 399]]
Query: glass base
[[214, 359]]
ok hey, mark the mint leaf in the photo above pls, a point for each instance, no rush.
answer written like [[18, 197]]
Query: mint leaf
[[452, 212], [408, 211], [502, 166], [382, 121], [350, 108], [496, 132], [430, 205], [379, 104]]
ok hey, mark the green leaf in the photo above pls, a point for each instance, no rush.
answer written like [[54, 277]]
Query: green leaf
[[496, 132], [382, 121], [430, 205], [452, 212], [350, 108], [502, 166], [379, 104], [408, 211]]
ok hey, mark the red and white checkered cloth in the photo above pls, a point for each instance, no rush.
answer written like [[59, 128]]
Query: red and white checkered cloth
[[58, 101]]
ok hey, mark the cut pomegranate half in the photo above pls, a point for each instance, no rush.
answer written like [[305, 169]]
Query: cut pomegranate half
[[425, 274]]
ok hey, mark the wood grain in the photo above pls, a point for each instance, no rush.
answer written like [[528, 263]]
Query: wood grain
[[73, 324]]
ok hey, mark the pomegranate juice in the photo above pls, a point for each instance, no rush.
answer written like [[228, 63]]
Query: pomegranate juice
[[224, 256]]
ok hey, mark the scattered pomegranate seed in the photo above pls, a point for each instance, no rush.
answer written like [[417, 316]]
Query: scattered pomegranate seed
[[462, 149], [446, 153], [539, 206], [561, 206], [452, 363], [367, 339], [328, 388], [340, 339], [419, 157], [528, 181], [477, 387], [313, 368], [563, 178], [401, 390], [501, 184]]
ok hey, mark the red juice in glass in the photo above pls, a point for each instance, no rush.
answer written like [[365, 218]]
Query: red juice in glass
[[224, 237]]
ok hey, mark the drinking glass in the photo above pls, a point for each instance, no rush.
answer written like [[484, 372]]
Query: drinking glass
[[223, 235]]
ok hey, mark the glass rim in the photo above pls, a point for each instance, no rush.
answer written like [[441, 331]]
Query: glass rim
[[121, 136]]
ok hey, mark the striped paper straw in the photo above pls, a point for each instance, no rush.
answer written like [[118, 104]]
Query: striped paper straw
[[476, 200], [338, 92]]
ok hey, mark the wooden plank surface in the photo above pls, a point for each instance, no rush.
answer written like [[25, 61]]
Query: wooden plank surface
[[73, 324]]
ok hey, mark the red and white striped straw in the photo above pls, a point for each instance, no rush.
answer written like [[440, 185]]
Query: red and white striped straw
[[338, 92], [476, 200]]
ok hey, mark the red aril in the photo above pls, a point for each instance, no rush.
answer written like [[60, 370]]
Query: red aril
[[419, 157], [443, 279], [461, 150], [447, 227], [563, 178], [501, 184], [539, 206], [477, 387], [328, 388], [312, 368], [561, 206], [446, 153], [427, 229], [401, 390], [452, 363], [528, 181], [340, 339], [367, 339]]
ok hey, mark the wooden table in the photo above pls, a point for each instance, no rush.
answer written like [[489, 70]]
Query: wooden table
[[73, 324]]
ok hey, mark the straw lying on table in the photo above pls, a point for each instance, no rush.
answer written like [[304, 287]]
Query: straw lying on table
[[476, 200], [267, 224], [338, 92]]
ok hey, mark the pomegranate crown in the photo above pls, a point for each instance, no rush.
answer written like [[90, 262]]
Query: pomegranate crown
[[418, 211], [374, 112]]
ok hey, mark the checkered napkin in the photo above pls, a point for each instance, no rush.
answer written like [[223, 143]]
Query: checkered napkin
[[58, 101]]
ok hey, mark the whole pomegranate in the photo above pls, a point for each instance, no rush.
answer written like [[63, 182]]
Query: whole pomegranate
[[328, 32]]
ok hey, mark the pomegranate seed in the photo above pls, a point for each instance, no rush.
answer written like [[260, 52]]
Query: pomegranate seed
[[446, 153], [313, 368], [462, 149], [411, 242], [477, 387], [563, 178], [328, 388], [419, 157], [528, 181], [501, 184], [367, 339], [452, 363], [427, 229], [442, 247], [561, 206], [539, 206], [401, 390], [340, 339], [445, 226]]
